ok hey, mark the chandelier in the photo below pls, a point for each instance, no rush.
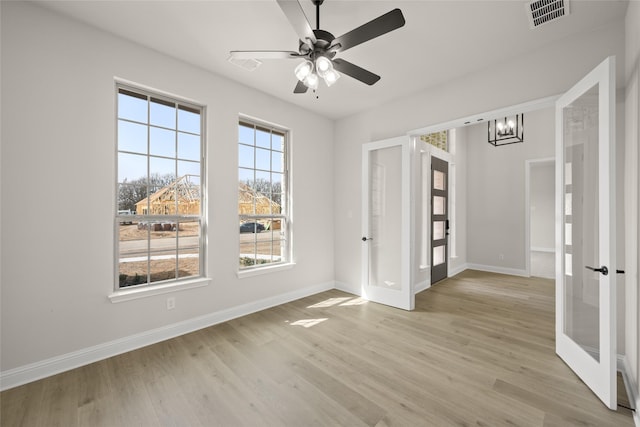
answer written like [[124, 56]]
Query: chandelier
[[507, 131]]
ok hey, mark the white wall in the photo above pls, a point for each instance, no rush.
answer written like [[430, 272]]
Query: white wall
[[496, 230], [632, 196], [58, 188]]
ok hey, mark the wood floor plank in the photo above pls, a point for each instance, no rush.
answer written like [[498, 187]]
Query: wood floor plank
[[478, 349]]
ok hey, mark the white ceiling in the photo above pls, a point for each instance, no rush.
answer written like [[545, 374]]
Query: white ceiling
[[441, 41]]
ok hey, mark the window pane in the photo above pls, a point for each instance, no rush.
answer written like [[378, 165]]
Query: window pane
[[263, 159], [245, 176], [133, 258], [132, 108], [189, 168], [438, 205], [188, 248], [276, 182], [245, 156], [438, 180], [188, 146], [263, 138], [245, 135], [163, 168], [188, 121], [263, 182], [132, 137], [163, 244], [162, 142], [277, 160], [438, 230], [162, 114], [132, 168], [438, 255], [277, 142], [130, 195]]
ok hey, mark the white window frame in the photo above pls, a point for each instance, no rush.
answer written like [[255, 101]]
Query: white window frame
[[285, 211], [161, 286]]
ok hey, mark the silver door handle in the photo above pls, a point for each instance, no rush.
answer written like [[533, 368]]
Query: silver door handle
[[364, 239]]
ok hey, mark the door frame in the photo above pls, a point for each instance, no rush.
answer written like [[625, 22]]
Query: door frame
[[405, 298]]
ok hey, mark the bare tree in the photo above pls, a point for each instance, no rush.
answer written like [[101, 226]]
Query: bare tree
[[272, 190], [131, 192]]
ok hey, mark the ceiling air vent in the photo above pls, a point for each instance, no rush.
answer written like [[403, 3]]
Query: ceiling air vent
[[542, 11]]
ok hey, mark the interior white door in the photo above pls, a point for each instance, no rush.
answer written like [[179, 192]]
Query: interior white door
[[386, 219], [585, 231]]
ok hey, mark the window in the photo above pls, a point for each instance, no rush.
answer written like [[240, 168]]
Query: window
[[159, 216], [263, 207]]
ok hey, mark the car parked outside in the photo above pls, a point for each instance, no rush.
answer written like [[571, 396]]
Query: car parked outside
[[123, 221], [251, 227]]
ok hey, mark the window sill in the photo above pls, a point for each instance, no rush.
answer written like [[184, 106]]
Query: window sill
[[265, 270], [148, 291]]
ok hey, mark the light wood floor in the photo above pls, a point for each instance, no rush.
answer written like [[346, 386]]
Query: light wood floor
[[478, 350]]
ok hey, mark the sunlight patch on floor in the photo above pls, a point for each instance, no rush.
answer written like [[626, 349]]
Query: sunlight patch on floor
[[330, 302]]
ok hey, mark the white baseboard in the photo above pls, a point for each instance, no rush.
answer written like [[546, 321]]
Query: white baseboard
[[457, 270], [421, 286], [630, 385], [495, 269], [45, 368], [345, 287]]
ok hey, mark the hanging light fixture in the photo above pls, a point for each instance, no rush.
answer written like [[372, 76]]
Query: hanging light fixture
[[507, 131]]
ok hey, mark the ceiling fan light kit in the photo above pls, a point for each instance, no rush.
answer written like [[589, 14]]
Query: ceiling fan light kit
[[318, 47]]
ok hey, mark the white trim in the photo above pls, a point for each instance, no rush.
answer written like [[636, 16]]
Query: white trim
[[459, 269], [265, 270], [45, 368], [421, 286], [539, 249], [495, 269], [524, 107], [630, 386], [128, 294], [350, 289]]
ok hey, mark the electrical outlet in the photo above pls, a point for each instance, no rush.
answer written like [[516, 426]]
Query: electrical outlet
[[171, 303], [501, 257]]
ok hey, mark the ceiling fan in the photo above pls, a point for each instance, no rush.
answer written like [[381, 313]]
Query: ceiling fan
[[318, 47]]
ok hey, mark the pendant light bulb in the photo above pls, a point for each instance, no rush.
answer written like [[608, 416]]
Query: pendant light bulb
[[331, 76], [323, 65], [311, 81], [303, 70]]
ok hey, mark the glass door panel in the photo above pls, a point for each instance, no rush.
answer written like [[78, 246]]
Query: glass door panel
[[585, 231], [385, 217]]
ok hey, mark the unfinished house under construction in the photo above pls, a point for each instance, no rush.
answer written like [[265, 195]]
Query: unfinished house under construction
[[181, 197]]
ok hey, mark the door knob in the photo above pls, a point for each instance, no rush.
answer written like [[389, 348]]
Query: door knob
[[364, 239], [604, 270]]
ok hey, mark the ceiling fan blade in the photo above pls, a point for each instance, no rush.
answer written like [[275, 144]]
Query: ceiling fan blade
[[298, 20], [263, 54], [300, 87], [354, 71], [372, 29]]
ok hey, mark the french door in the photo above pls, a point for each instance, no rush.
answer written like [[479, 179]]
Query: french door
[[586, 231], [386, 219]]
